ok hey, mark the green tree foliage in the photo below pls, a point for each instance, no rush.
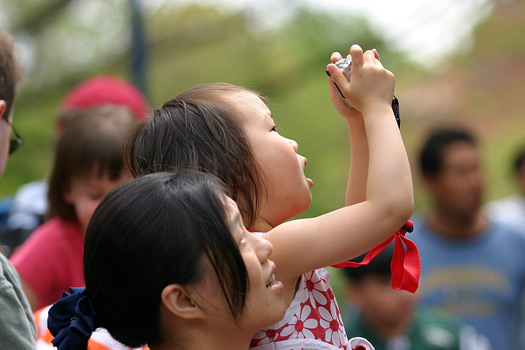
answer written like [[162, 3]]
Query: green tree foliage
[[68, 41], [192, 45]]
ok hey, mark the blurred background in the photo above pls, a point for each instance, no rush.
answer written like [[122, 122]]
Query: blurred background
[[456, 62]]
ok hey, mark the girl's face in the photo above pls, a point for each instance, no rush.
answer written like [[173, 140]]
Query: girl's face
[[85, 193], [264, 303], [287, 189]]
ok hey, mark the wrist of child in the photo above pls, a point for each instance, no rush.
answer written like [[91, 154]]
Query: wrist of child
[[354, 117], [377, 110], [379, 114]]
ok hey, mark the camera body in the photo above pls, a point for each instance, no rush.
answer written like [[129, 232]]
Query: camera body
[[345, 65]]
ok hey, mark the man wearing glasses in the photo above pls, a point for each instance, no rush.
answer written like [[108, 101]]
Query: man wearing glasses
[[9, 72], [17, 328]]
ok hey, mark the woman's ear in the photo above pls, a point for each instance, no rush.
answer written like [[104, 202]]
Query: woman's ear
[[179, 302]]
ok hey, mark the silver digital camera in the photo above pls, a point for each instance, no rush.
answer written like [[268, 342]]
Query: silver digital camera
[[345, 65]]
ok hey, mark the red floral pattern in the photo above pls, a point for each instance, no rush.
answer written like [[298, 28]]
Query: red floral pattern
[[312, 315]]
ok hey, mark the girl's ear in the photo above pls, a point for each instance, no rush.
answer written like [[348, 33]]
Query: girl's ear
[[179, 302]]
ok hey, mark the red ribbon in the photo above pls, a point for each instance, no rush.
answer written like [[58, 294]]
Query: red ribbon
[[405, 265]]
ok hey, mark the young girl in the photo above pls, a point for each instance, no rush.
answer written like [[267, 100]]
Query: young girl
[[229, 131], [88, 163], [169, 263]]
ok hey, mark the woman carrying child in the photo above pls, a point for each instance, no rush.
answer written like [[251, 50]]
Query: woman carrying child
[[229, 131]]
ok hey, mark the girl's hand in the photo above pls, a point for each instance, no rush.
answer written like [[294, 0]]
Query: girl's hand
[[371, 85], [335, 97]]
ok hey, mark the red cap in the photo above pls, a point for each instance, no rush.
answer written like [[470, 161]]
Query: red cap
[[103, 90]]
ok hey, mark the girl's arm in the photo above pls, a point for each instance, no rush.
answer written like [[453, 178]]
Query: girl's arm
[[304, 245], [358, 172]]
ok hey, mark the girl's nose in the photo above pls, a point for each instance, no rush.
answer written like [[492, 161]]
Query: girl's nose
[[294, 145]]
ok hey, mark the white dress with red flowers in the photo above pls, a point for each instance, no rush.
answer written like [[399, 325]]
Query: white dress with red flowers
[[312, 321]]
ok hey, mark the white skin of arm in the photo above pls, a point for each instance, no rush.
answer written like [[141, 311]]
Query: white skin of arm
[[372, 215], [358, 172]]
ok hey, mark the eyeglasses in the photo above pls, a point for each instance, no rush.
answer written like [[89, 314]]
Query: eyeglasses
[[17, 141]]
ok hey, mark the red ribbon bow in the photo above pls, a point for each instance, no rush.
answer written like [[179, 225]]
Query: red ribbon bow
[[405, 265]]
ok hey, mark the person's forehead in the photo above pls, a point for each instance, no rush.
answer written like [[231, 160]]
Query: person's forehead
[[232, 212], [460, 151], [254, 105], [230, 205], [95, 175], [89, 182]]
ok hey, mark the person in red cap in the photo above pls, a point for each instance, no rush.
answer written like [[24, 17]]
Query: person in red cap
[[102, 90], [30, 201]]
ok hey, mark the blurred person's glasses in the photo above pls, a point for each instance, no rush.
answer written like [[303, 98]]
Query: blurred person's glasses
[[17, 141]]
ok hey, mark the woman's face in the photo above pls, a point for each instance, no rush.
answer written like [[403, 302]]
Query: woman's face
[[288, 190], [264, 303]]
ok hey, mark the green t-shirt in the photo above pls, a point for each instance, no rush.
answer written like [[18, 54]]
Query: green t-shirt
[[17, 327], [430, 330]]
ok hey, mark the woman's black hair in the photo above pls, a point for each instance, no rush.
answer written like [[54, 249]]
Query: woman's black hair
[[152, 232], [198, 130]]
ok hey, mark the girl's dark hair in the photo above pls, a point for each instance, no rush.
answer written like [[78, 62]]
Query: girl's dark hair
[[431, 154], [198, 130], [152, 232], [93, 140]]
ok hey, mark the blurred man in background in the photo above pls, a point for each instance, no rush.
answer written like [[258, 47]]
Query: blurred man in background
[[470, 265]]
